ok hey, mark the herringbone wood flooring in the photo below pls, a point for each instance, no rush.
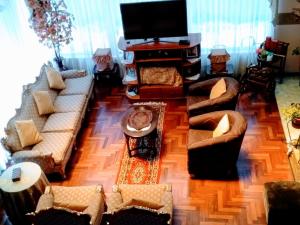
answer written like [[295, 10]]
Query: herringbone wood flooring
[[206, 202]]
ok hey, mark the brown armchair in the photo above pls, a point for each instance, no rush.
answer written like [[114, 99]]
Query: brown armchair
[[140, 204], [59, 205], [198, 101], [214, 156]]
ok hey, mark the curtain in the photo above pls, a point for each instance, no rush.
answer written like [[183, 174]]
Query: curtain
[[237, 25]]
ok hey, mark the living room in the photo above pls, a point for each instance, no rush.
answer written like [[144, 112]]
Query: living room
[[99, 156]]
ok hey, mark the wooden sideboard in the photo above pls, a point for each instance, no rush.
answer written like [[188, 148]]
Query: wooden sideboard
[[166, 52]]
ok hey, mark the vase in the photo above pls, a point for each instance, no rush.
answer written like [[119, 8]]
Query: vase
[[59, 62], [296, 122]]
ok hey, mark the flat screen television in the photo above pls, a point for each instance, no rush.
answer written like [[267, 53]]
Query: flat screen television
[[157, 19]]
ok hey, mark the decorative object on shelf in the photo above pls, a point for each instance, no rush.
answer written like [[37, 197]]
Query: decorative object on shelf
[[103, 59], [292, 112], [52, 23]]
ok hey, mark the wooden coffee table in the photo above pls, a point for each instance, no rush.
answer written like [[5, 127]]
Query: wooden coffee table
[[140, 141]]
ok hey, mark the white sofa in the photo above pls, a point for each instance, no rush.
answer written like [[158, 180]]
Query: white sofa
[[58, 129]]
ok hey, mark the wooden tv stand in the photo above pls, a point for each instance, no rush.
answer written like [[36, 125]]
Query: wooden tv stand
[[167, 52]]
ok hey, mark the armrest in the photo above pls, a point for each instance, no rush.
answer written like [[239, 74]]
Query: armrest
[[96, 206], [207, 121], [45, 161], [114, 201], [67, 74], [45, 202], [202, 87], [167, 202]]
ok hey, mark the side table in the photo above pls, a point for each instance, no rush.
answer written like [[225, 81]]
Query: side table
[[111, 76], [22, 196], [228, 72], [140, 142]]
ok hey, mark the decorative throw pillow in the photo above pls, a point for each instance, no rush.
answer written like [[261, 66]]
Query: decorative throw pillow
[[218, 89], [43, 102], [222, 127], [28, 133], [139, 202], [55, 79]]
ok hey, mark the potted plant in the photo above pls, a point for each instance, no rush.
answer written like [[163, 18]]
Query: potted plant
[[292, 112], [52, 24]]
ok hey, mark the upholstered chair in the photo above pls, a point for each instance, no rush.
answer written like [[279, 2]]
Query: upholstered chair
[[210, 155], [199, 101], [282, 202], [78, 205], [140, 204]]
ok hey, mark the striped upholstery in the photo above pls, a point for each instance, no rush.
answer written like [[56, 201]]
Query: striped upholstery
[[56, 143], [61, 122], [77, 86], [69, 103]]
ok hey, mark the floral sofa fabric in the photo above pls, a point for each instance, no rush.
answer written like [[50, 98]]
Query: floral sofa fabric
[[58, 129], [69, 205]]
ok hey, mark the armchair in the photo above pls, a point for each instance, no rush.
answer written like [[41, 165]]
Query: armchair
[[81, 205], [198, 101], [214, 156], [140, 204], [282, 202]]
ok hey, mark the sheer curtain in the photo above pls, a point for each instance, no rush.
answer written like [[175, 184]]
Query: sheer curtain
[[236, 24]]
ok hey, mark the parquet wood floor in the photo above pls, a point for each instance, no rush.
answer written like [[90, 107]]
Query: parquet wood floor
[[206, 202]]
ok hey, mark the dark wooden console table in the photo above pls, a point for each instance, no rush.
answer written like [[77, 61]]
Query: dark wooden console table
[[168, 52]]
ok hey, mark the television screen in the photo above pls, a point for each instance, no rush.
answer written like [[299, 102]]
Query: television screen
[[154, 19]]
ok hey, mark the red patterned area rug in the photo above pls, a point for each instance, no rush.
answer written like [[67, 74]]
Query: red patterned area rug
[[135, 170]]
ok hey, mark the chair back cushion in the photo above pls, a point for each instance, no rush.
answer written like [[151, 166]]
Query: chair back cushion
[[59, 216], [222, 127], [218, 89]]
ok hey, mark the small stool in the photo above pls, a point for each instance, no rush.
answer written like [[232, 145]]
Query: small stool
[[282, 202]]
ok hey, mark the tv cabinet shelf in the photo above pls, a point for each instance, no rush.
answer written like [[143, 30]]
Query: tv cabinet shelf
[[185, 58]]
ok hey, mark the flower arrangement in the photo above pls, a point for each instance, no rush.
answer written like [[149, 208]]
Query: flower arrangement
[[292, 111], [52, 24]]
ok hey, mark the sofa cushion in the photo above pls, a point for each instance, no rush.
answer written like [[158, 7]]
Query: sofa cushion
[[56, 143], [55, 79], [142, 203], [28, 133], [77, 86], [43, 102], [69, 103], [222, 127], [218, 89], [61, 122]]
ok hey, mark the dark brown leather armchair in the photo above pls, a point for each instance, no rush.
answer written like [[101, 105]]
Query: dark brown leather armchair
[[198, 101], [214, 156]]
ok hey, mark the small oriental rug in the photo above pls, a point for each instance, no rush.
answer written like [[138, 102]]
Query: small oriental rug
[[135, 170]]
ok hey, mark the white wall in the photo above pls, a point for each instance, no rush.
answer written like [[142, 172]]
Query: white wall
[[289, 33]]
